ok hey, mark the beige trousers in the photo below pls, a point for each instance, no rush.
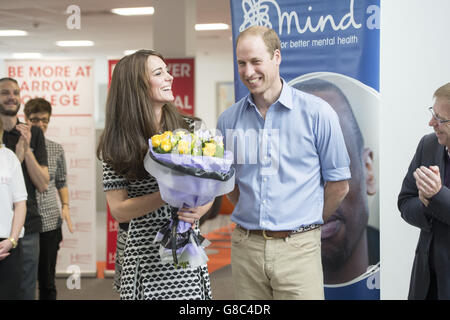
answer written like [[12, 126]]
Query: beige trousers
[[283, 269]]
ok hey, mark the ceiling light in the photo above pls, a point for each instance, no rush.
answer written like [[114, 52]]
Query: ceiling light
[[128, 52], [211, 26], [12, 33], [27, 55], [138, 11], [77, 43]]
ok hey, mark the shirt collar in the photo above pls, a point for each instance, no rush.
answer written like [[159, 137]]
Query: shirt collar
[[285, 98]]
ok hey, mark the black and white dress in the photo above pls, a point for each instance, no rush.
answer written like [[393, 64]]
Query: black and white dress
[[143, 276]]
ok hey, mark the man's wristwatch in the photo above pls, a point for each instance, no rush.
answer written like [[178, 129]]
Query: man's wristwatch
[[13, 241]]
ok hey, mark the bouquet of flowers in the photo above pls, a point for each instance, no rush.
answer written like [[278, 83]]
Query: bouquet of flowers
[[191, 169]]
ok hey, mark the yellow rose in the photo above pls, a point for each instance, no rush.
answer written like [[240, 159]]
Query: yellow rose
[[166, 145], [167, 134], [156, 140], [209, 149], [184, 147]]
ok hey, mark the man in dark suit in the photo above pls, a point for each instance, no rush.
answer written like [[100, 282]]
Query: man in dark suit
[[424, 202]]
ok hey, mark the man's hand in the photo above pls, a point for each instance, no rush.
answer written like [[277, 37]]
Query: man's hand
[[5, 246], [424, 200], [428, 181], [66, 216], [25, 132], [23, 145]]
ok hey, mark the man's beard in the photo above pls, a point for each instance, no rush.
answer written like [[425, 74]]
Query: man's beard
[[9, 113]]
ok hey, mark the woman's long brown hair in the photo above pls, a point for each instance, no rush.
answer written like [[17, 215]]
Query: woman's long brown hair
[[130, 119]]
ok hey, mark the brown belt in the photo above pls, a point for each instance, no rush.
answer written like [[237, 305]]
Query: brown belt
[[269, 235]]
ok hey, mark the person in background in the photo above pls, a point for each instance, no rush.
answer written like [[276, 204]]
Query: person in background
[[28, 143], [296, 184], [37, 113], [424, 202], [139, 106], [349, 245], [13, 196]]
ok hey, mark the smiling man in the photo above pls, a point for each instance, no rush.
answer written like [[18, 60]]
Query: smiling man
[[424, 202], [297, 183], [29, 146]]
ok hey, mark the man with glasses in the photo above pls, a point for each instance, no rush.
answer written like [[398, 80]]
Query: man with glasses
[[29, 146], [424, 202], [37, 113]]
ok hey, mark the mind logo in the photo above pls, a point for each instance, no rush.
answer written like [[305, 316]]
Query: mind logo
[[256, 13]]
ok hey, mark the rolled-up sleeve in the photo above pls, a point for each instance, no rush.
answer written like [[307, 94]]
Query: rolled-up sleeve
[[334, 158]]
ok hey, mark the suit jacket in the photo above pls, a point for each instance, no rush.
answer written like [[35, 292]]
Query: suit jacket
[[433, 221]]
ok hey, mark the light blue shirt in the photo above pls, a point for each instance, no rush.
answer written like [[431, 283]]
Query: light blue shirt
[[283, 160]]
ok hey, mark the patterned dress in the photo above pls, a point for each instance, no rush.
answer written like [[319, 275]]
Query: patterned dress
[[143, 276]]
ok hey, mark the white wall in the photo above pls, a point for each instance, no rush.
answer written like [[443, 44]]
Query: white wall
[[214, 63], [415, 61]]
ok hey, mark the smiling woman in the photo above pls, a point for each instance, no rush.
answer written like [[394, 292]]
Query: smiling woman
[[160, 83], [139, 105]]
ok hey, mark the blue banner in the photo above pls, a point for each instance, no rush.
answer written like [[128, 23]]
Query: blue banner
[[334, 46]]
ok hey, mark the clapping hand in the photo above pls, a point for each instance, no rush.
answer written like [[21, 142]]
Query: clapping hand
[[428, 182], [24, 141]]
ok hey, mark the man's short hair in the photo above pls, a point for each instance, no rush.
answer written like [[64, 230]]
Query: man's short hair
[[269, 36], [37, 105], [9, 79], [443, 92]]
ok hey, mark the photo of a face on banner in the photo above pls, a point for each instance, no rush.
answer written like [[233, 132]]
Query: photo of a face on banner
[[350, 239]]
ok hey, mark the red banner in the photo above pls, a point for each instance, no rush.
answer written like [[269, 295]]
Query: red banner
[[183, 86], [183, 72], [111, 240]]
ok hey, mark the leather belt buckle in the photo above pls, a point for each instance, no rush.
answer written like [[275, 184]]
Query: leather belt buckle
[[266, 236]]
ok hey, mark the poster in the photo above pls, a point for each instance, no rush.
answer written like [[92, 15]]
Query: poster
[[330, 48], [69, 86]]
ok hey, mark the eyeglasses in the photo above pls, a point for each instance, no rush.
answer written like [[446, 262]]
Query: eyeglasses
[[441, 121], [37, 120]]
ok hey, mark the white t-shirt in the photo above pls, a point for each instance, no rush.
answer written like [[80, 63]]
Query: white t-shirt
[[12, 189]]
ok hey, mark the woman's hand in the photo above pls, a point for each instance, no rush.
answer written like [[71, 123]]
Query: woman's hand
[[191, 215]]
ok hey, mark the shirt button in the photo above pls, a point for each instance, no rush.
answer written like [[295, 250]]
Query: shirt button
[[264, 201], [265, 179]]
